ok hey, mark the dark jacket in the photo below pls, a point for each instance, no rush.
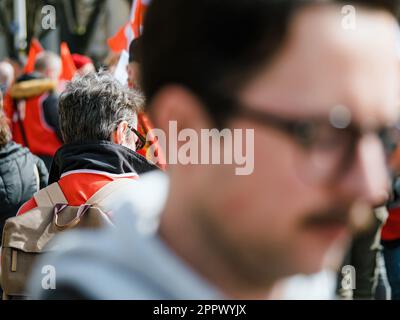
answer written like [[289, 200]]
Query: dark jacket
[[106, 161], [19, 179], [98, 155]]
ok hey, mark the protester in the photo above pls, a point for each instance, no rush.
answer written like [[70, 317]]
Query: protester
[[33, 108], [98, 120], [21, 173], [6, 76], [316, 95], [362, 255], [391, 241], [18, 64]]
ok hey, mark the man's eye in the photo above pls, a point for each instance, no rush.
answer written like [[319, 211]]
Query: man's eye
[[390, 138], [331, 138], [305, 133], [321, 136]]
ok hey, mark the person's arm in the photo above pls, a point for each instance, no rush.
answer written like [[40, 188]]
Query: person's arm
[[43, 173], [43, 176]]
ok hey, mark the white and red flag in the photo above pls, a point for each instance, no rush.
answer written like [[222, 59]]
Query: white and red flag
[[131, 30]]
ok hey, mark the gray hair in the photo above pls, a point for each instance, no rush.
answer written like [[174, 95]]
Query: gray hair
[[5, 132], [47, 60], [6, 74], [93, 105]]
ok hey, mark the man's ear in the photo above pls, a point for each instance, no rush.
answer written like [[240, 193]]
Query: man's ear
[[175, 103], [119, 135]]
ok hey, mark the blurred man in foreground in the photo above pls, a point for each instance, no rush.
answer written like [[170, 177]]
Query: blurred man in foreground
[[316, 95]]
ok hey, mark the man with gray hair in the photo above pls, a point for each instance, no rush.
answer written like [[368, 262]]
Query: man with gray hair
[[98, 120], [48, 64], [33, 108]]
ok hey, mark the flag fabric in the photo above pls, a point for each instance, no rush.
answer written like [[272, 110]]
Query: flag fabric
[[68, 66], [136, 19], [120, 72], [145, 128], [120, 43], [131, 30], [34, 50]]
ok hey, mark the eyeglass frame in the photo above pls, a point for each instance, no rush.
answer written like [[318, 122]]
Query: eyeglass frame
[[141, 142], [293, 128]]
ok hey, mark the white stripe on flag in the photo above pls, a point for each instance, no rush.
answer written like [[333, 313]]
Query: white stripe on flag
[[120, 72], [129, 35], [133, 9]]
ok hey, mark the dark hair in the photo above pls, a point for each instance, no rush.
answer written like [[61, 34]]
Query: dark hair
[[93, 105], [134, 51], [213, 47], [5, 132]]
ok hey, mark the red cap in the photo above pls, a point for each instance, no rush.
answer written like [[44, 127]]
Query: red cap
[[80, 60]]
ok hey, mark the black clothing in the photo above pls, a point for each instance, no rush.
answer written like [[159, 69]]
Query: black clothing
[[98, 155], [18, 180]]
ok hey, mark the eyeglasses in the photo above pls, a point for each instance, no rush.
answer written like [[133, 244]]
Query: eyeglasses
[[330, 150], [141, 141]]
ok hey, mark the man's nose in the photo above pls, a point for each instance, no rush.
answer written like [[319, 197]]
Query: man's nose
[[368, 179]]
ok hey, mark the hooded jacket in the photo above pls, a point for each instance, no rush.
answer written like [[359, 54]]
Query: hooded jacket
[[82, 169], [21, 175]]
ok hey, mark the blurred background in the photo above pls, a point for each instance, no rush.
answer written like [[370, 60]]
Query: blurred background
[[85, 25]]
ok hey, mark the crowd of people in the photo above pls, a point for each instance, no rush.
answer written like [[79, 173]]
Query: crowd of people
[[323, 102]]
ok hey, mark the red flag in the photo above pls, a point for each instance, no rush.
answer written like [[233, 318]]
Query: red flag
[[145, 128], [137, 20], [119, 41], [131, 30], [34, 50], [68, 66]]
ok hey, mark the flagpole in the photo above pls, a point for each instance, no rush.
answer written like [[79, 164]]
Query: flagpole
[[20, 37]]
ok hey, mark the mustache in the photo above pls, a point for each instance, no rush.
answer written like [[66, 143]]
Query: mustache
[[328, 217]]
